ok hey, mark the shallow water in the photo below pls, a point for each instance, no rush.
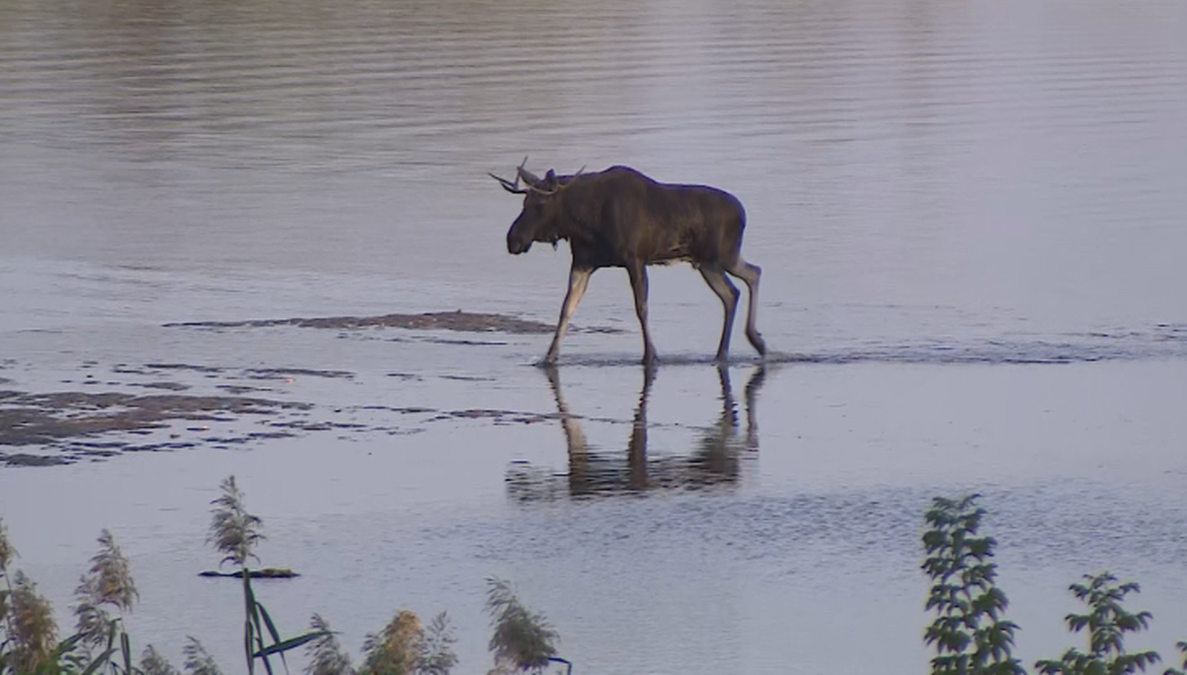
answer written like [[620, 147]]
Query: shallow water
[[970, 221]]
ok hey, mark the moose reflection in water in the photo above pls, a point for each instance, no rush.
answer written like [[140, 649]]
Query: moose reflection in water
[[716, 458]]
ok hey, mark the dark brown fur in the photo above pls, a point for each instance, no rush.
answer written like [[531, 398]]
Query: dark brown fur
[[621, 218]]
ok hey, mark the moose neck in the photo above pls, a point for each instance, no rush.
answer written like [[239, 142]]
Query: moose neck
[[578, 218]]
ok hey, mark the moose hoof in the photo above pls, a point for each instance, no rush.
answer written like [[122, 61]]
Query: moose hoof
[[759, 344]]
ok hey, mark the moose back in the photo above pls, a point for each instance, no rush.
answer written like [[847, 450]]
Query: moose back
[[621, 218]]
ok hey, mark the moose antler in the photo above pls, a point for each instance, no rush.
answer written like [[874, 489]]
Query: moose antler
[[508, 185], [533, 181], [545, 186]]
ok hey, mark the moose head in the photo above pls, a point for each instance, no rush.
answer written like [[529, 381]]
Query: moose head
[[542, 212]]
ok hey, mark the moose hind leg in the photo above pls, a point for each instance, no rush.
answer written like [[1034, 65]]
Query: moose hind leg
[[729, 302], [578, 281], [750, 274], [638, 274]]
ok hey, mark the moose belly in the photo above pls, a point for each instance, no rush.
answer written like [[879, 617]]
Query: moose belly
[[671, 256]]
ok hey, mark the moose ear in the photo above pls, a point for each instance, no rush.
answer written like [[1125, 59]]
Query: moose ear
[[550, 177]]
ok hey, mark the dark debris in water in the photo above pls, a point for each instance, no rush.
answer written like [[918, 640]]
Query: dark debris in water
[[497, 416], [286, 373], [169, 386], [410, 377], [265, 573], [239, 389], [179, 366]]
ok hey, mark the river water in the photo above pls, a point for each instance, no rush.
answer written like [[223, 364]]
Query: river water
[[970, 218]]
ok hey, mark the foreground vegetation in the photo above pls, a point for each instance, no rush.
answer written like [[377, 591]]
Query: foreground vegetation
[[523, 641], [969, 633]]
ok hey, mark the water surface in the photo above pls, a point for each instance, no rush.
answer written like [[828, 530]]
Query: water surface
[[970, 220]]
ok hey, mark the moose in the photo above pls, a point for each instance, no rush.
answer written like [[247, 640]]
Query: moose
[[621, 218]]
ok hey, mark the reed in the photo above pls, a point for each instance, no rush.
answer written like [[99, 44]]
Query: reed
[[235, 533], [152, 663], [523, 640], [197, 661]]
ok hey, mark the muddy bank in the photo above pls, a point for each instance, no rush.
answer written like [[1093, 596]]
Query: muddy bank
[[83, 424], [193, 395], [51, 429], [470, 322]]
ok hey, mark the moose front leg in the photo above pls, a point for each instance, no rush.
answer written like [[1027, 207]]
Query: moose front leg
[[578, 281], [638, 274]]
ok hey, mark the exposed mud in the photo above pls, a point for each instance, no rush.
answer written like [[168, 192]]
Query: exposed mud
[[50, 429], [82, 424], [470, 322]]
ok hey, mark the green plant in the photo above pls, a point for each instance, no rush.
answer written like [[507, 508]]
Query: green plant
[[403, 647], [28, 633], [523, 640], [106, 585], [969, 632], [437, 655], [325, 653], [235, 533], [152, 663], [30, 644], [1107, 623], [197, 661], [396, 649]]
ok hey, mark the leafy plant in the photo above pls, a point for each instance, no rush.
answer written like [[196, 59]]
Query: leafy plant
[[969, 632], [197, 661], [403, 647], [7, 553], [31, 635], [233, 530], [108, 584], [523, 640], [235, 533], [325, 653], [152, 663], [1107, 623], [396, 649], [437, 655], [28, 634]]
